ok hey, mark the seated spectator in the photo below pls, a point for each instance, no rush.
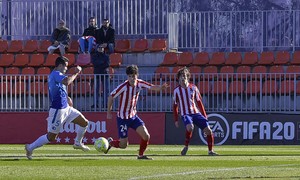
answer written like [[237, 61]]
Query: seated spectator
[[88, 40], [60, 38], [105, 36]]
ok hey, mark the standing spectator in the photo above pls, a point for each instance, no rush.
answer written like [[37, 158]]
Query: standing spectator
[[188, 97], [127, 114], [61, 110], [105, 36], [101, 63], [60, 38], [88, 40]]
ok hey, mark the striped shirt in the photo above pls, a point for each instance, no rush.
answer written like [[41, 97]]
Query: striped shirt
[[128, 97], [185, 98]]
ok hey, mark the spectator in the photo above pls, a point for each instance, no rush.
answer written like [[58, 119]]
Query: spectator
[[105, 36], [88, 40], [101, 63], [60, 38]]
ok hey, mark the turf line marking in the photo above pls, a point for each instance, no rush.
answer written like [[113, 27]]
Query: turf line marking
[[204, 171]]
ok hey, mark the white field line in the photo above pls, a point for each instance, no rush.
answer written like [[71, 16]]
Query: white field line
[[205, 171]]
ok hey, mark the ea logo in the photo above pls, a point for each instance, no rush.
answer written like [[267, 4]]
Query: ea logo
[[219, 127]]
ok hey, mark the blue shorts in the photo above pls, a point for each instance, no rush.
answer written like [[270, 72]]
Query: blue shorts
[[124, 124], [198, 119]]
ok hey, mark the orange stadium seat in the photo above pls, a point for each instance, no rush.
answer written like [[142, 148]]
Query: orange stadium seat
[[292, 72], [140, 45], [276, 72], [196, 72], [158, 45], [21, 60], [269, 87], [36, 60], [266, 58], [88, 73], [296, 58], [243, 72], [122, 46], [210, 72], [170, 59], [44, 44], [204, 87], [282, 58], [185, 59], [219, 87], [250, 58], [71, 58], [226, 71], [201, 58], [31, 46], [236, 87], [6, 59], [83, 88], [218, 58], [252, 87], [15, 46], [3, 46], [50, 60], [234, 58], [73, 47], [115, 59], [259, 71]]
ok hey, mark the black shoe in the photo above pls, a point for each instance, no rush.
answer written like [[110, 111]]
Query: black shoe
[[144, 157], [184, 150], [109, 141]]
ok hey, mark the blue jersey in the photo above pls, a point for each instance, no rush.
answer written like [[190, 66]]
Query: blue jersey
[[57, 91]]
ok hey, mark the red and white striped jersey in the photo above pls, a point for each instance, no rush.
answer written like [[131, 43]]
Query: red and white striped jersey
[[128, 97], [187, 99]]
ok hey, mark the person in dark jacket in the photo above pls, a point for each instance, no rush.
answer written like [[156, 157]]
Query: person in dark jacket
[[105, 36], [101, 64], [88, 41], [60, 38]]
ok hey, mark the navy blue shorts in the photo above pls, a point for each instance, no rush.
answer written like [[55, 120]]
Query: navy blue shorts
[[124, 124], [198, 119]]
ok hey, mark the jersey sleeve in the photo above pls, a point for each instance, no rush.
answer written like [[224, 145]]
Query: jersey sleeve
[[144, 84], [58, 76], [117, 91]]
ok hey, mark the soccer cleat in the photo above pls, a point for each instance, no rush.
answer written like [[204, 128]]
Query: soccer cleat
[[81, 146], [184, 150], [144, 157], [28, 153], [110, 139], [212, 153]]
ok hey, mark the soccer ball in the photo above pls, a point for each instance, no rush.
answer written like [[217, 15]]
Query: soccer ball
[[101, 144]]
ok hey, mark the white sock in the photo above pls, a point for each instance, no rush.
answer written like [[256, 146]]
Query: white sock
[[80, 134], [42, 140]]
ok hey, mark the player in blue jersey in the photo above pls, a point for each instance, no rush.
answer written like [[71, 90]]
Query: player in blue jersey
[[61, 110]]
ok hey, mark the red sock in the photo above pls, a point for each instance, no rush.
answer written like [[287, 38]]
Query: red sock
[[115, 143], [210, 142], [188, 136], [143, 146]]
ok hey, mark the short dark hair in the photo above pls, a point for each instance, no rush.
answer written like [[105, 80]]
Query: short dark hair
[[92, 18], [61, 60], [105, 19], [132, 69]]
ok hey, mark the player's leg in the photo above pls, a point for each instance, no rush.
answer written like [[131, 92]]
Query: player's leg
[[62, 49], [91, 41], [54, 124], [189, 128], [76, 117], [202, 123], [81, 41]]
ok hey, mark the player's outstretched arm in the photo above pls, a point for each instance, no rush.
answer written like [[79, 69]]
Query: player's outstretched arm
[[67, 81], [159, 87]]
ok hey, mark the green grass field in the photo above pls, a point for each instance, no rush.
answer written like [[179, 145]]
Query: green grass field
[[234, 162]]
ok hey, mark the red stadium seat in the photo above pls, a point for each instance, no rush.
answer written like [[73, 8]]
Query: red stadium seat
[[210, 72], [287, 87], [74, 47], [122, 46], [140, 45], [204, 87], [83, 88], [21, 60], [115, 59], [15, 46], [243, 72], [83, 59], [50, 60], [292, 72], [44, 44], [259, 72], [266, 58], [36, 60], [3, 46], [185, 59], [236, 87], [161, 72], [250, 58], [296, 58], [201, 58], [252, 87], [276, 72], [170, 59], [27, 72], [71, 58], [226, 72], [6, 60], [234, 58], [31, 46], [269, 87], [218, 58], [158, 45], [219, 87], [43, 71], [282, 58]]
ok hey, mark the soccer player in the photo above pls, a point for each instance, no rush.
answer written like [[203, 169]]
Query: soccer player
[[188, 98], [127, 114], [61, 110]]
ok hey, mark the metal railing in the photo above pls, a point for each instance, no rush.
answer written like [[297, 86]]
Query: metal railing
[[233, 93]]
